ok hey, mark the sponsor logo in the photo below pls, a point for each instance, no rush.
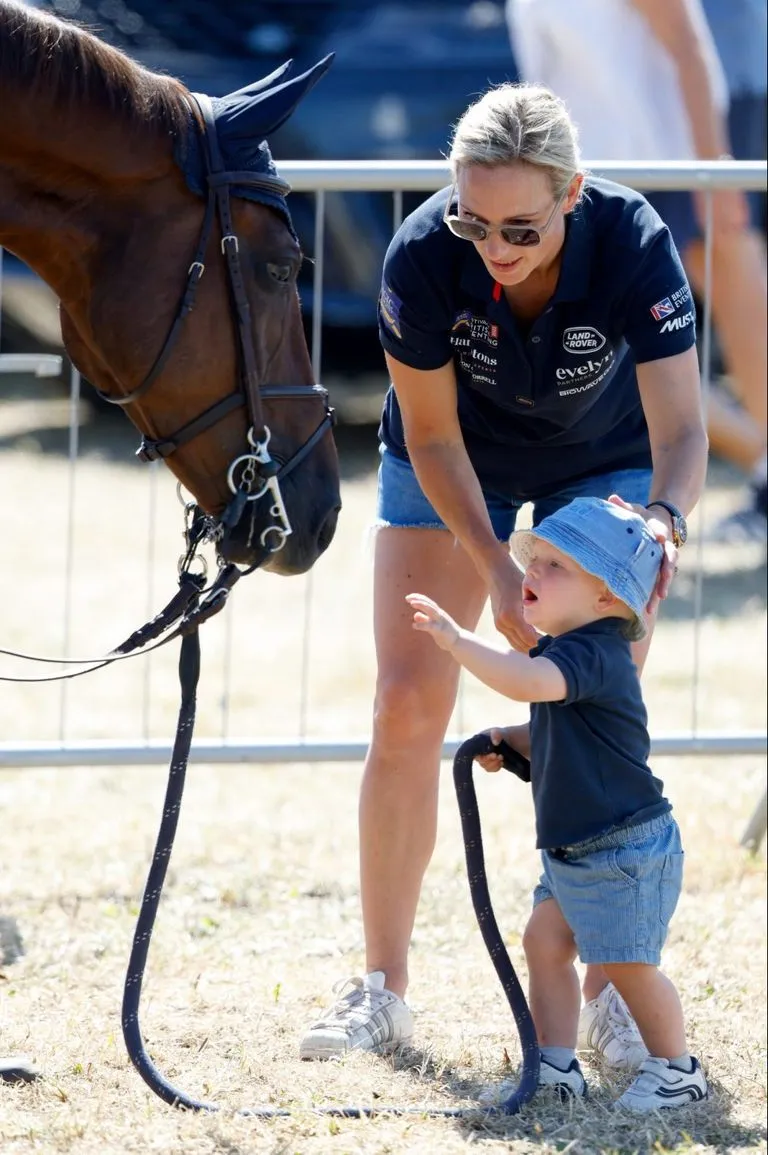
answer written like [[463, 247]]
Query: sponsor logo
[[590, 368], [483, 358], [681, 295], [577, 389], [675, 323], [670, 304], [389, 308], [582, 339], [586, 376], [662, 309], [478, 328]]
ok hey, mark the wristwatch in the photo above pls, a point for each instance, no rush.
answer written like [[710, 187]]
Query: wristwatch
[[679, 524]]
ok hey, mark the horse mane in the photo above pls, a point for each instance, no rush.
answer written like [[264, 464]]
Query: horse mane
[[41, 54]]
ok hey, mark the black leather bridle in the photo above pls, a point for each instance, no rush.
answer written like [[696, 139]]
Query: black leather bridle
[[254, 473]]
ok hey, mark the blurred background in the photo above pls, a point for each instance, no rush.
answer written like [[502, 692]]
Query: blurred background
[[388, 94]]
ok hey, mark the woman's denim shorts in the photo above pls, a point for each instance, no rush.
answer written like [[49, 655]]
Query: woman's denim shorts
[[617, 892], [401, 502]]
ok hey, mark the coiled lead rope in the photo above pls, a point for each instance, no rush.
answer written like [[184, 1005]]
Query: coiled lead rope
[[189, 671]]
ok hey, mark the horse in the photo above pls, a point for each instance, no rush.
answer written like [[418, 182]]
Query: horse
[[140, 203]]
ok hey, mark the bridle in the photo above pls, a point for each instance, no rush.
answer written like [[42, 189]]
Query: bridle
[[254, 473]]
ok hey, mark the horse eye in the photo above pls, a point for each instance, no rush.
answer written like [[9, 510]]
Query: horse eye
[[283, 274]]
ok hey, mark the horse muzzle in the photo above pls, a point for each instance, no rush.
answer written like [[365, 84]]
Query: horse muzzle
[[266, 536]]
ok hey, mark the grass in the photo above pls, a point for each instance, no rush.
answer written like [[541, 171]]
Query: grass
[[261, 913]]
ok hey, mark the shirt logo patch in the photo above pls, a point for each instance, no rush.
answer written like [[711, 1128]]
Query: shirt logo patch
[[584, 377], [662, 309], [389, 307], [462, 320], [477, 328], [675, 323], [582, 339]]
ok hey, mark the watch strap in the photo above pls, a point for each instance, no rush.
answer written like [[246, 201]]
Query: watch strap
[[678, 520]]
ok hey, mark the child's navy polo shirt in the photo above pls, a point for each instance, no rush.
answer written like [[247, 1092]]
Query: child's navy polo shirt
[[559, 401], [589, 752]]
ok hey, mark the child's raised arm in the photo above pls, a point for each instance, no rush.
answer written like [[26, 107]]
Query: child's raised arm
[[515, 675]]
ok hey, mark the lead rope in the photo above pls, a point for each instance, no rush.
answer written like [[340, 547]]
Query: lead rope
[[189, 672]]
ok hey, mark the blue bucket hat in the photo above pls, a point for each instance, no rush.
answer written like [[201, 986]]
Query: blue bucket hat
[[610, 542]]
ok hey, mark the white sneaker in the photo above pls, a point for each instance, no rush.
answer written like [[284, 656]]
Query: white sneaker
[[366, 1018], [659, 1086], [606, 1026], [569, 1083], [17, 1069]]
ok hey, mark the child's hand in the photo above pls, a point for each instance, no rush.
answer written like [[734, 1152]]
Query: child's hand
[[433, 621], [493, 762], [509, 757]]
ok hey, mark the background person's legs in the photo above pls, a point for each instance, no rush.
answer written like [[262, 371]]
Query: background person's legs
[[739, 311], [737, 431]]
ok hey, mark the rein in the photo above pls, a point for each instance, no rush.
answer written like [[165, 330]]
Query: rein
[[190, 607], [189, 671]]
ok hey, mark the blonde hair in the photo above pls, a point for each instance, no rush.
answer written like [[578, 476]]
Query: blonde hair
[[518, 122]]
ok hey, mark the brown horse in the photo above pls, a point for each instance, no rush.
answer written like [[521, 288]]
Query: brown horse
[[115, 188]]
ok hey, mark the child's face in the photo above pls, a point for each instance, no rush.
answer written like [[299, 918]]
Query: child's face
[[558, 595]]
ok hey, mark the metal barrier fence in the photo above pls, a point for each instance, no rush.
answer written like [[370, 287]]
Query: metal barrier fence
[[70, 721]]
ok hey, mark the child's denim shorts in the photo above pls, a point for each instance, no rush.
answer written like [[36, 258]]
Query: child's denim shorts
[[402, 503], [618, 891]]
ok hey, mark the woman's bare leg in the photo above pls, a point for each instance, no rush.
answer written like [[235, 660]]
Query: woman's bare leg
[[415, 694]]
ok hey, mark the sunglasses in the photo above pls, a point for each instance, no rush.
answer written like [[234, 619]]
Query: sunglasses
[[523, 236]]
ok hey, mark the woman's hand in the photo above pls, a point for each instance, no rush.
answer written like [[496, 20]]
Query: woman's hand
[[661, 531], [432, 620], [505, 589]]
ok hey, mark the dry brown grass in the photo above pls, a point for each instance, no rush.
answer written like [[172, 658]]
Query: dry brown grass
[[260, 915]]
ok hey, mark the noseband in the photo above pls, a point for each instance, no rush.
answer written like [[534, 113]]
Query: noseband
[[254, 474]]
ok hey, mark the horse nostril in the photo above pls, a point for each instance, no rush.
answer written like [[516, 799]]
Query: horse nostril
[[328, 529]]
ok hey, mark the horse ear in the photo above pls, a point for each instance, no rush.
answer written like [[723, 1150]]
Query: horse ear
[[259, 85], [257, 110]]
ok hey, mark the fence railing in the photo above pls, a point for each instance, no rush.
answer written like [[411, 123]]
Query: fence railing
[[328, 741]]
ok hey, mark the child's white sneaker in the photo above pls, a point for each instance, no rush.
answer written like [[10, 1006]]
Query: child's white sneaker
[[660, 1086], [367, 1017], [606, 1026], [570, 1082]]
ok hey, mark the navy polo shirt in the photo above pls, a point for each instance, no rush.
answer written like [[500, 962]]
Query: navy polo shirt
[[589, 752], [544, 405]]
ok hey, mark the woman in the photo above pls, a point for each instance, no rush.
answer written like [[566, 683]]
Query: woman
[[538, 330]]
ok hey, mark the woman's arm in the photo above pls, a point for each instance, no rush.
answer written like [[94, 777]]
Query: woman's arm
[[428, 404], [670, 391]]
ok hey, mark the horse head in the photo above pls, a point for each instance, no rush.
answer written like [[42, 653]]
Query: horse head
[[159, 219]]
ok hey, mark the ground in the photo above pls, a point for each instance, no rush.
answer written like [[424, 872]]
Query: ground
[[260, 914]]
